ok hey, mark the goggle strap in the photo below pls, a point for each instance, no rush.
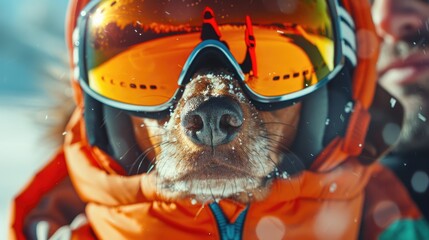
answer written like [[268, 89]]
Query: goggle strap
[[339, 104], [251, 45], [348, 36], [210, 28]]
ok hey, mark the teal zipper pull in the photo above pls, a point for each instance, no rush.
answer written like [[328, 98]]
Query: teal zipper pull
[[228, 231]]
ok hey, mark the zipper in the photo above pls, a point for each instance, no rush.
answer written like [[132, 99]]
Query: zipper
[[227, 230]]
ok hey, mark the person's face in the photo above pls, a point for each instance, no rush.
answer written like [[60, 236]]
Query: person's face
[[403, 68]]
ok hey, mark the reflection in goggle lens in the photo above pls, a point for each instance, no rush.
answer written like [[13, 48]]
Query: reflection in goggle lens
[[135, 50]]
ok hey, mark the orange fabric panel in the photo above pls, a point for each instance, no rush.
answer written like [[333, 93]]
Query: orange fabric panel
[[96, 185], [356, 132], [305, 219], [330, 157], [53, 173], [364, 79], [154, 220]]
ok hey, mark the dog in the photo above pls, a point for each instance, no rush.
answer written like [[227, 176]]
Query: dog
[[215, 144]]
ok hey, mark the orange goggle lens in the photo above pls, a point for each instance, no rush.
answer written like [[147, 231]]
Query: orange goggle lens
[[134, 51]]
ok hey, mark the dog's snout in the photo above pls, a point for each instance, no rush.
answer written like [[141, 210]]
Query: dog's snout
[[212, 122]]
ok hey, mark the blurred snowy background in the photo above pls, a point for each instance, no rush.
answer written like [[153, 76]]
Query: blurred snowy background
[[33, 61]]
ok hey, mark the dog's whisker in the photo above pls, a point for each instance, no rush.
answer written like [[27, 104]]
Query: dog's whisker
[[275, 165], [152, 166], [140, 159], [154, 127], [143, 156], [165, 163], [129, 149], [235, 186], [259, 160], [199, 210], [211, 193], [105, 117], [270, 135], [153, 136], [255, 155], [286, 151], [275, 141], [279, 167], [224, 189], [139, 166], [291, 126], [293, 163], [248, 192]]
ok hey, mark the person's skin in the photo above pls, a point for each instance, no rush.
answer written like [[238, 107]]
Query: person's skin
[[403, 68]]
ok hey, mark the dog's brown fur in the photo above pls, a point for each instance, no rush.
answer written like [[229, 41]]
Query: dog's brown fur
[[236, 170]]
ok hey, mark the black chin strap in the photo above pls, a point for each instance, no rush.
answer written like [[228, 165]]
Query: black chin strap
[[312, 126], [340, 105], [111, 130], [325, 115]]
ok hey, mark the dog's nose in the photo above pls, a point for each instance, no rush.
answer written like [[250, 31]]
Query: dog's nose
[[212, 122]]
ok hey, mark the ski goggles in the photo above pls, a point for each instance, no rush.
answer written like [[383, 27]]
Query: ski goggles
[[138, 55]]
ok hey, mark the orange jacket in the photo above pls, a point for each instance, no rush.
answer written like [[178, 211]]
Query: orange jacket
[[326, 205], [312, 205]]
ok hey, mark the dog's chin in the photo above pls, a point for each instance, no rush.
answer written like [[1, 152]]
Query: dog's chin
[[243, 190], [215, 174]]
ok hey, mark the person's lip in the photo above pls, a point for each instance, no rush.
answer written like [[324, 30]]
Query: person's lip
[[406, 70]]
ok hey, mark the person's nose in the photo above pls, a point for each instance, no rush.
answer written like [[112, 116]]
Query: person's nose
[[397, 19]]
